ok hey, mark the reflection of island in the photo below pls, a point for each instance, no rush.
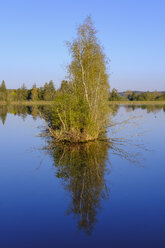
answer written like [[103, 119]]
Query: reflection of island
[[21, 110], [81, 168], [35, 110], [148, 107]]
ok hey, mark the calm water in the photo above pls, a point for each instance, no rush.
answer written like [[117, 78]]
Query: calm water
[[99, 195]]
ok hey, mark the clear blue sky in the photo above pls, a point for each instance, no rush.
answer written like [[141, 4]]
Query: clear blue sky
[[33, 35]]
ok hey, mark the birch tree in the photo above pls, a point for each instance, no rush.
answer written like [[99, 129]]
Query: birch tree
[[89, 87]]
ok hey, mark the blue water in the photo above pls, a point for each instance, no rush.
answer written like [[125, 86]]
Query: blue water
[[34, 202]]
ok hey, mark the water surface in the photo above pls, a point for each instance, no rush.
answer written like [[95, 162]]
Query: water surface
[[84, 196]]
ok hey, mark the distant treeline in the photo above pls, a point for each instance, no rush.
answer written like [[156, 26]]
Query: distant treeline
[[48, 93], [45, 93], [136, 96]]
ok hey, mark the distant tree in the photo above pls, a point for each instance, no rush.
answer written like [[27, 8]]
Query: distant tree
[[156, 95], [52, 90], [24, 92], [21, 93], [12, 95], [49, 91], [142, 97], [3, 86], [133, 96], [46, 92], [64, 86], [40, 93], [128, 94], [114, 95], [163, 96], [149, 96], [34, 93], [3, 91]]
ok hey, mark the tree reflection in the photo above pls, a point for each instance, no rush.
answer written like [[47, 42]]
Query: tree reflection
[[151, 108], [35, 110], [3, 113], [81, 168], [22, 111]]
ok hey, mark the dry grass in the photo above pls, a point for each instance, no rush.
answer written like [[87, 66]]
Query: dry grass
[[26, 103]]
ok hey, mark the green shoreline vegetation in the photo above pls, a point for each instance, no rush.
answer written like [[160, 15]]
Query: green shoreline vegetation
[[47, 95]]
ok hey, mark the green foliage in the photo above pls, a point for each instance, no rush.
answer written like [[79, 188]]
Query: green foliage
[[163, 96], [34, 93], [3, 91], [49, 91], [3, 86], [133, 96], [24, 92], [46, 93], [21, 93], [145, 96], [69, 114], [114, 96], [80, 112], [65, 88]]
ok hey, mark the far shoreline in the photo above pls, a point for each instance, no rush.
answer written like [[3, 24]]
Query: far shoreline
[[137, 102], [31, 103], [26, 103]]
